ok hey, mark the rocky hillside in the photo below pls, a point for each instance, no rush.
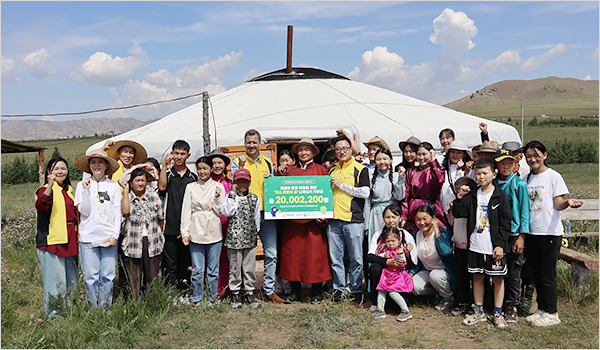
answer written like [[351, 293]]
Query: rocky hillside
[[17, 130]]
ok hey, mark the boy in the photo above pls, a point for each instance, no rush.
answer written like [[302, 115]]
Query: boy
[[521, 168], [516, 191], [243, 209], [176, 255], [488, 214]]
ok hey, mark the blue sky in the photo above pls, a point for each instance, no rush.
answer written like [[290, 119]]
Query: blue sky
[[79, 56]]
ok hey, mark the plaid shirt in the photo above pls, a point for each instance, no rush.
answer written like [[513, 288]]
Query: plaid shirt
[[145, 212]]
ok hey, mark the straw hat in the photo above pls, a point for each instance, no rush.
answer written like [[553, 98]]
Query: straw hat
[[379, 142], [83, 163], [489, 147], [306, 141], [460, 146], [412, 140], [217, 153], [140, 151]]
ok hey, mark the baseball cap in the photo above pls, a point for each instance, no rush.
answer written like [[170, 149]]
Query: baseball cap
[[502, 154], [242, 174]]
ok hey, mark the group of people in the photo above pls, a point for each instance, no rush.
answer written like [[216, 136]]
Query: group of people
[[438, 223]]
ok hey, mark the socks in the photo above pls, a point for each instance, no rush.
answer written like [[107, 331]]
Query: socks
[[480, 308], [497, 311]]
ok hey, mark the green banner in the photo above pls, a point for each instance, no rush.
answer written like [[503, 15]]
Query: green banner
[[298, 197]]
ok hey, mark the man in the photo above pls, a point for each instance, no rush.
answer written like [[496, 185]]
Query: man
[[260, 167], [350, 182]]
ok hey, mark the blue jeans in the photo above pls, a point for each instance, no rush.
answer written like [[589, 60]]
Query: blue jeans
[[268, 237], [200, 253], [59, 277], [98, 265], [342, 235]]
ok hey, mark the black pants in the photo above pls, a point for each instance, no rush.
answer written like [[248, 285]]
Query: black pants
[[175, 263], [374, 276], [512, 281], [543, 253], [464, 295]]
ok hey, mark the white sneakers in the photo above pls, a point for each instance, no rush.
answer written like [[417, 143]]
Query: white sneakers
[[543, 319]]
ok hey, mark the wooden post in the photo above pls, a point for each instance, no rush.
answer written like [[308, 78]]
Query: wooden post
[[290, 31], [205, 130], [41, 167]]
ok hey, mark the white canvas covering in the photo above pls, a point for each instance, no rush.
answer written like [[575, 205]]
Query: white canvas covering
[[287, 110]]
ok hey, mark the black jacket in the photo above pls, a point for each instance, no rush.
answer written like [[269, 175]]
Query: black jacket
[[499, 214]]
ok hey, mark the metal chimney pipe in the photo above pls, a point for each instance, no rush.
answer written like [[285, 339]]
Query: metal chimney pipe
[[290, 31]]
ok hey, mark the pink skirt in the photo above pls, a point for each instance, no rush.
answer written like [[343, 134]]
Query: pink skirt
[[395, 281]]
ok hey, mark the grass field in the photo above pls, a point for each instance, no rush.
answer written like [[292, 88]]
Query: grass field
[[554, 108]]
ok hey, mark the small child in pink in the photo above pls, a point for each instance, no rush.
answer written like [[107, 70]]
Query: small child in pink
[[393, 279]]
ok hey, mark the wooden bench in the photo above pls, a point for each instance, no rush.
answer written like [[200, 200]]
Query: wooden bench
[[581, 263]]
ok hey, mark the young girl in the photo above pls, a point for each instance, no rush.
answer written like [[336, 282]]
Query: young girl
[[56, 238], [393, 279], [423, 186], [456, 165], [387, 188], [99, 201], [286, 159], [391, 217], [201, 229], [219, 174], [409, 154], [143, 241], [546, 190], [446, 138]]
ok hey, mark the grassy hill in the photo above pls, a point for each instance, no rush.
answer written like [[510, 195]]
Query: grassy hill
[[551, 96]]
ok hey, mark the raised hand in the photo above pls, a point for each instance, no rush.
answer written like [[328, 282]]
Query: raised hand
[[86, 184]]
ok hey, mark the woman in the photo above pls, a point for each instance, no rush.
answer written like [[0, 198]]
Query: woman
[[127, 152], [456, 164], [99, 201], [152, 168], [409, 154], [304, 256], [56, 238], [435, 272], [423, 186], [546, 190], [219, 174]]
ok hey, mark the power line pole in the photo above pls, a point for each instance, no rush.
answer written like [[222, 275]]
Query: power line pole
[[522, 127], [205, 131]]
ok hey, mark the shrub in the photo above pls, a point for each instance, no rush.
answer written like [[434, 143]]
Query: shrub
[[565, 152]]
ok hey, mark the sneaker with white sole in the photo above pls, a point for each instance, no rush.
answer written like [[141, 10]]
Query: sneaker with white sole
[[404, 316], [460, 309], [498, 321], [546, 319], [534, 316], [445, 304], [378, 314], [511, 315], [474, 318], [373, 308], [236, 301]]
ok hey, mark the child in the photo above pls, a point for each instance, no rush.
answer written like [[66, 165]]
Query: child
[[446, 138], [516, 190], [486, 150], [456, 164], [56, 238], [329, 159], [99, 201], [176, 255], [391, 217], [286, 159], [521, 168], [373, 146], [243, 209], [423, 186], [546, 190], [488, 226], [201, 229], [144, 240], [393, 279]]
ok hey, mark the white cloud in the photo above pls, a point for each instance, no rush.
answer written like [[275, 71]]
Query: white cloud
[[534, 62], [588, 77], [36, 62], [8, 65], [506, 61], [594, 55], [104, 70], [47, 118], [453, 31]]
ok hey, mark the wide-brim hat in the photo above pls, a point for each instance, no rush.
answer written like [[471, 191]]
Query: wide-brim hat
[[140, 151], [306, 141], [218, 153], [412, 140], [488, 147], [513, 146], [83, 163], [377, 141], [460, 146], [502, 154]]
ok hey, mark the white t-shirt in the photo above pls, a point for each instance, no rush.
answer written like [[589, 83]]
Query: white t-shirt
[[481, 239], [447, 195], [100, 209], [427, 252], [459, 238], [544, 219], [523, 168], [407, 236]]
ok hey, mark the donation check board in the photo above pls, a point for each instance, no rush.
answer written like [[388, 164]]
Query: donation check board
[[298, 197]]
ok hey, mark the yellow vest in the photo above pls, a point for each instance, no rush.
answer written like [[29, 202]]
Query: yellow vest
[[345, 206], [257, 171]]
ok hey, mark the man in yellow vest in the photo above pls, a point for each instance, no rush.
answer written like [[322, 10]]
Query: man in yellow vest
[[350, 182], [260, 167]]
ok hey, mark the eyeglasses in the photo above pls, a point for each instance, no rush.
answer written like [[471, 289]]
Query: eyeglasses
[[342, 149]]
